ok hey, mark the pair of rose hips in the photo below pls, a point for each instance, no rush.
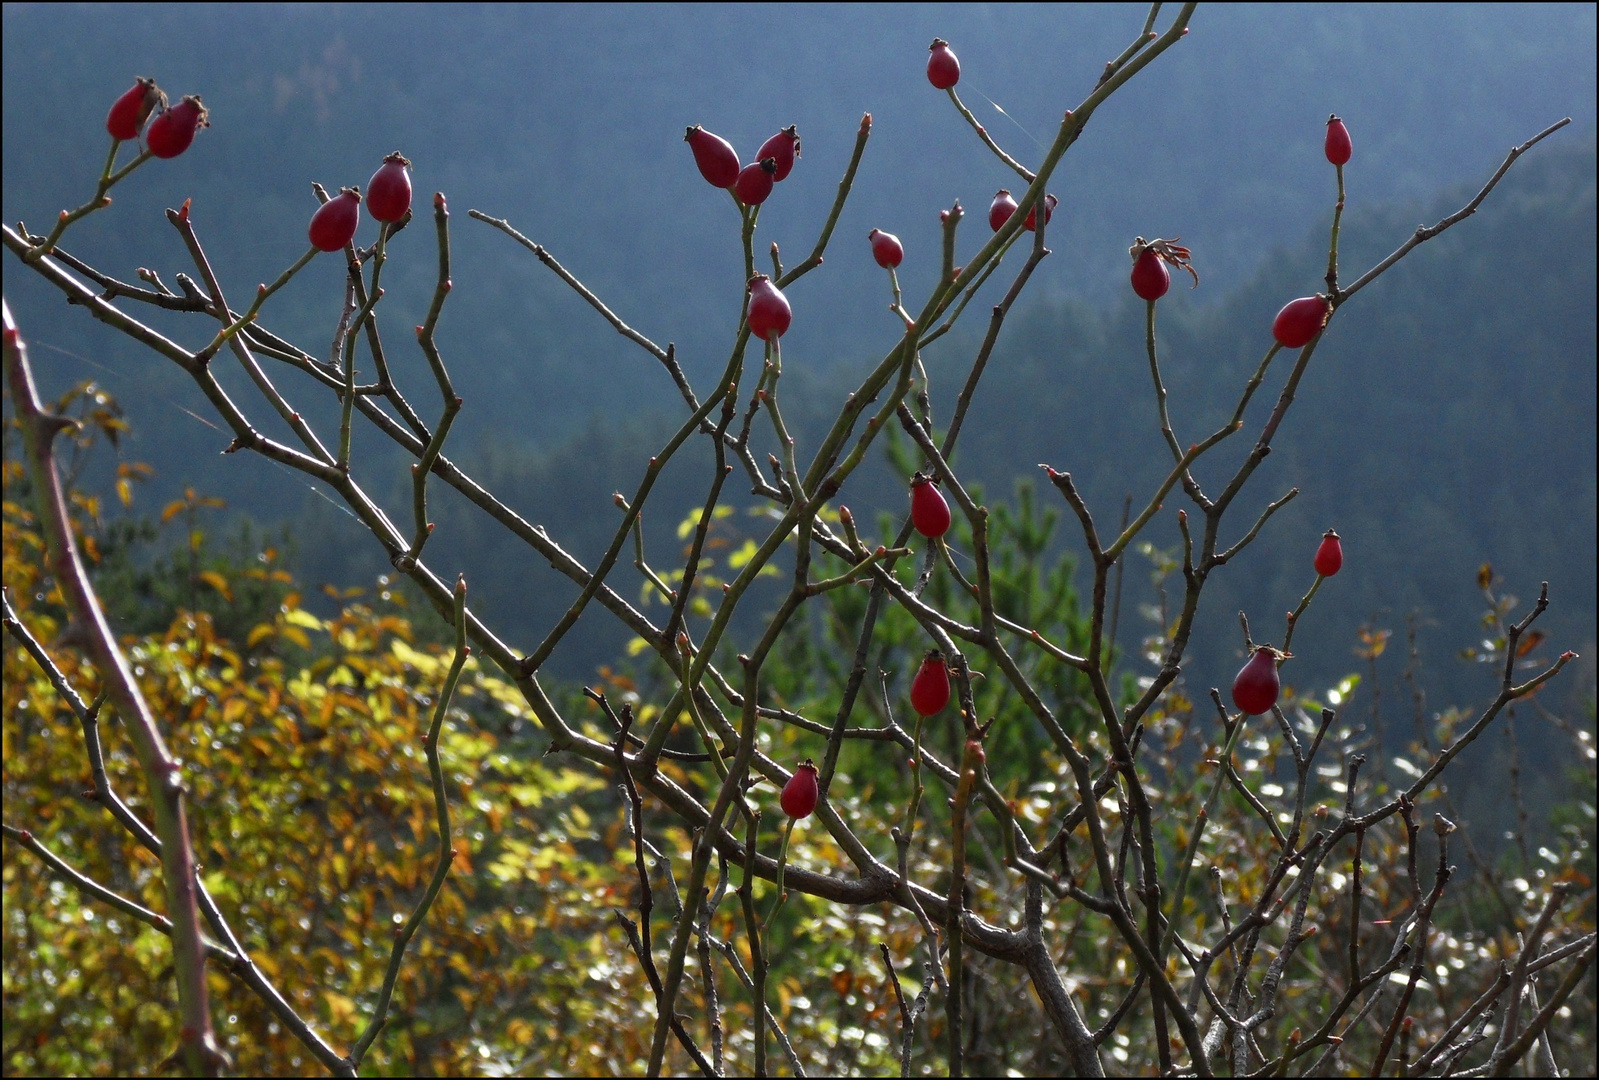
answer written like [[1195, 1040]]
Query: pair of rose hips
[[174, 128], [1004, 205], [1301, 320], [929, 695], [388, 197], [1257, 685], [718, 163]]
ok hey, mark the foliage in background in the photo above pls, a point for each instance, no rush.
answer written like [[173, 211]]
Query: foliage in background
[[313, 825]]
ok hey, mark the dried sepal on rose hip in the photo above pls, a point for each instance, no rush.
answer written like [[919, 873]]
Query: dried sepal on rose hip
[[171, 133], [1330, 555], [800, 793], [769, 314], [715, 156], [782, 148], [335, 222], [930, 687], [1300, 320], [1150, 257], [886, 248], [388, 193], [130, 111], [1256, 686], [943, 68], [929, 512]]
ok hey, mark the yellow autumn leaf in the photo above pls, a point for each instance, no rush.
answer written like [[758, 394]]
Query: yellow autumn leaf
[[301, 617], [217, 582], [740, 558]]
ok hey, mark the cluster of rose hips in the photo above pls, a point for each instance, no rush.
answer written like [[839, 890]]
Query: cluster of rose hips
[[752, 183], [769, 312], [174, 128], [1257, 686], [172, 131]]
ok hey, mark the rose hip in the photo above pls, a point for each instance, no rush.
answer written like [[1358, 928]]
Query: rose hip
[[799, 794], [782, 148], [754, 184], [1000, 210], [1300, 320], [1256, 686], [929, 511], [130, 111], [715, 156], [171, 133], [886, 248], [388, 193], [335, 222], [1339, 148], [943, 69], [1151, 279], [930, 688], [1330, 555], [769, 313]]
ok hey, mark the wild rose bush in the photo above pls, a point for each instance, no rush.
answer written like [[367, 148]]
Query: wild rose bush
[[1183, 887]]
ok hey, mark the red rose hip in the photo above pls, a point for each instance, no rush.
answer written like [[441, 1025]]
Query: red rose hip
[[1000, 210], [1339, 148], [943, 69], [388, 193], [930, 688], [1256, 686], [715, 156], [130, 111], [171, 133], [1151, 279], [335, 222], [929, 511], [886, 248], [1050, 202], [799, 794], [1330, 555], [782, 148], [1300, 320], [769, 313], [754, 184]]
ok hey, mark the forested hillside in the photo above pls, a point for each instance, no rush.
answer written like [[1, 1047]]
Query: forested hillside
[[1453, 408]]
